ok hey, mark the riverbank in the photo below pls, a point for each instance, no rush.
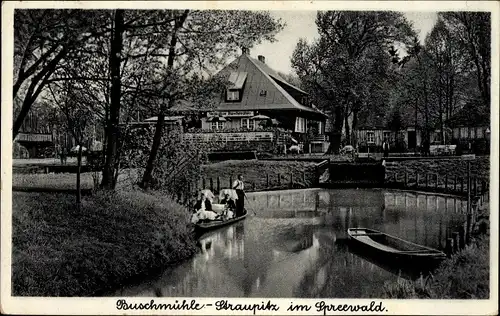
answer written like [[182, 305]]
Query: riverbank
[[262, 174], [466, 275], [114, 238]]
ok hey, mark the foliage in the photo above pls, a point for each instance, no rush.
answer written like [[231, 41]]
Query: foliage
[[179, 161], [59, 251], [347, 68], [464, 276]]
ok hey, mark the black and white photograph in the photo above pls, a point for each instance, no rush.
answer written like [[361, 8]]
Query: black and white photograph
[[253, 158]]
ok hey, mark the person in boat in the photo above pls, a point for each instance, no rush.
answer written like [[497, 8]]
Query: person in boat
[[239, 187], [229, 205], [203, 203]]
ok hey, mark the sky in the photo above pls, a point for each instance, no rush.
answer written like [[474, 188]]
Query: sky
[[301, 24]]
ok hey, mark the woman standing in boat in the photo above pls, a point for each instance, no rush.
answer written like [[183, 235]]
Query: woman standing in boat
[[239, 186]]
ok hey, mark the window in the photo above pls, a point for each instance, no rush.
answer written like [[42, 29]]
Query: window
[[247, 123], [370, 137], [387, 135], [217, 125], [233, 95], [464, 133], [300, 125], [479, 132]]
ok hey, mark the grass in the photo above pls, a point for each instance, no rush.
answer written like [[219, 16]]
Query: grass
[[464, 276], [59, 250], [255, 171]]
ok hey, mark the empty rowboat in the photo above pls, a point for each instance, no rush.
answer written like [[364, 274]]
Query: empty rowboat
[[392, 247]]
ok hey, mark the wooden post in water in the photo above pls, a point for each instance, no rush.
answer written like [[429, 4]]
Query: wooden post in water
[[211, 184], [218, 184]]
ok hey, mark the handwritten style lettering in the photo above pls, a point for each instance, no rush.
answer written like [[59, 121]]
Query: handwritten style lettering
[[225, 305], [193, 305], [322, 307]]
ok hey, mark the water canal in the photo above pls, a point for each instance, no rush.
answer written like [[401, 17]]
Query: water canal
[[295, 245]]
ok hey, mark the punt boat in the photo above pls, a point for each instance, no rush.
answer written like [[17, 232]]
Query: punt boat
[[211, 225], [393, 248]]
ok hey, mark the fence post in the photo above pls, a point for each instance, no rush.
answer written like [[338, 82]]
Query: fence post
[[456, 241], [395, 177], [231, 181], [455, 180], [436, 185], [449, 246], [426, 180], [218, 184], [416, 180], [406, 177], [267, 180], [304, 178], [475, 186], [203, 183], [291, 180], [462, 233], [468, 188], [211, 184], [279, 179], [446, 182], [462, 184]]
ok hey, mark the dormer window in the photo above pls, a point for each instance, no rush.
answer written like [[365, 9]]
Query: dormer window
[[235, 90], [233, 95]]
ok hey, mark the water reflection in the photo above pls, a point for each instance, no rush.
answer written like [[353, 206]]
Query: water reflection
[[296, 246]]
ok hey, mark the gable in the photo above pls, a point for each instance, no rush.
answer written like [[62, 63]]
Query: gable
[[260, 91]]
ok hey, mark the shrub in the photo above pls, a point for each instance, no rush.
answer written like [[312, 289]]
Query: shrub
[[60, 251]]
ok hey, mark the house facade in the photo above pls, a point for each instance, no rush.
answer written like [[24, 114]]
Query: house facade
[[256, 100]]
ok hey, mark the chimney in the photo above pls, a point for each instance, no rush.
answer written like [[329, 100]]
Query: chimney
[[245, 51], [262, 59]]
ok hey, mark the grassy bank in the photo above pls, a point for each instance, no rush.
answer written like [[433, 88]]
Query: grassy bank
[[464, 276], [61, 251], [255, 171]]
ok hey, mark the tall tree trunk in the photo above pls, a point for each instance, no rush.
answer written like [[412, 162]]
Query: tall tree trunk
[[112, 134], [155, 147], [354, 127], [41, 79], [336, 133], [78, 176], [347, 131]]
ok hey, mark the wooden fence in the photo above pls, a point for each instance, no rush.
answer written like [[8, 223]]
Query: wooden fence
[[475, 189]]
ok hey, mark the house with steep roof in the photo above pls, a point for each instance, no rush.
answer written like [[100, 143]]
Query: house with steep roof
[[256, 95]]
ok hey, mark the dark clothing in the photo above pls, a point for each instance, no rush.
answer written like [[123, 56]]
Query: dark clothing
[[385, 147], [208, 205], [240, 203], [230, 204]]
